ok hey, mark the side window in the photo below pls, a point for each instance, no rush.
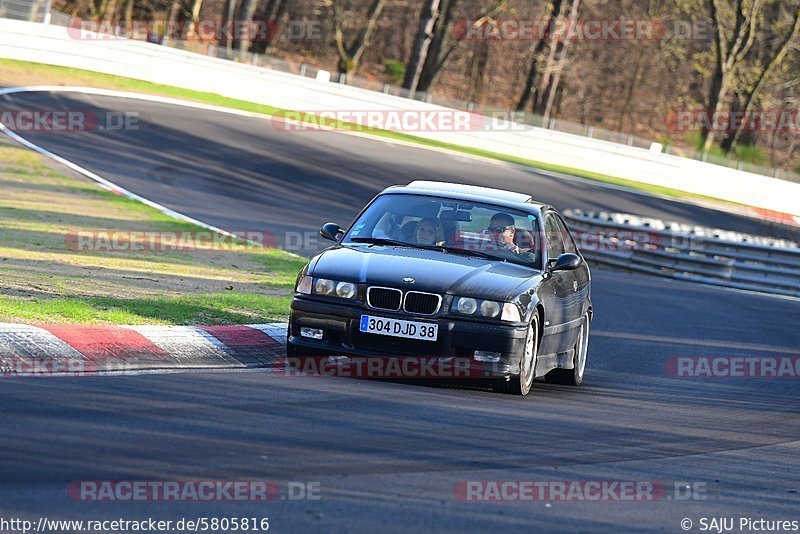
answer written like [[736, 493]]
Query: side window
[[554, 235], [569, 243]]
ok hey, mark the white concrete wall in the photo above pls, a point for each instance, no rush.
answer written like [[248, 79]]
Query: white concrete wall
[[134, 59]]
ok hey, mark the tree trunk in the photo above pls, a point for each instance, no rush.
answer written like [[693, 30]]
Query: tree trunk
[[228, 19], [274, 13], [427, 21], [98, 9], [637, 74], [728, 54], [553, 10], [196, 6], [478, 64], [246, 13], [173, 16], [716, 106], [110, 11], [556, 68], [129, 5], [441, 46], [437, 55], [631, 89]]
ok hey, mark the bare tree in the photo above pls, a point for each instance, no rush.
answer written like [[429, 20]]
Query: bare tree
[[98, 9], [110, 11], [427, 21], [442, 46], [350, 55], [196, 6], [246, 12], [128, 16], [730, 48], [551, 78], [751, 93], [435, 43], [228, 20], [553, 11], [273, 14], [174, 9]]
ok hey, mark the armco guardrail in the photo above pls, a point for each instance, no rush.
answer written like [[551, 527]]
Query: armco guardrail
[[58, 45], [686, 252]]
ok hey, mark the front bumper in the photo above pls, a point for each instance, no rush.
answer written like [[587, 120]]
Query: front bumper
[[457, 338]]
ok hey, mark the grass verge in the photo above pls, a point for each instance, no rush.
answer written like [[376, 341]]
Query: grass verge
[[19, 73], [47, 277]]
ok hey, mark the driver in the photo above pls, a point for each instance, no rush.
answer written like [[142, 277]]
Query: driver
[[501, 233]]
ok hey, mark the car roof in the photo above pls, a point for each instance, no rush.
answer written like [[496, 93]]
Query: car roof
[[467, 192]]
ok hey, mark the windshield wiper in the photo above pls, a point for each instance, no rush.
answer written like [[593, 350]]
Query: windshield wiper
[[380, 241], [457, 250], [470, 252]]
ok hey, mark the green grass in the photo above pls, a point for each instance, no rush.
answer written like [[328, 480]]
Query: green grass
[[69, 76], [210, 308], [44, 280]]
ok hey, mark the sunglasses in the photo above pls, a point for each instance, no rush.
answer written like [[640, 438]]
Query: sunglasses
[[499, 229]]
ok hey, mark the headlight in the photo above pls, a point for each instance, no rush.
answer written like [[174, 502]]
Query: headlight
[[466, 305], [304, 285], [327, 287], [489, 308], [346, 290], [323, 286], [510, 313], [505, 311]]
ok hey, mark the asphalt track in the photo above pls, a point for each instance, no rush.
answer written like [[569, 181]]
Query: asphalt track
[[388, 455]]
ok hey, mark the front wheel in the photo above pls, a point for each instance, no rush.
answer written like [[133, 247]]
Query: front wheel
[[574, 376], [521, 384]]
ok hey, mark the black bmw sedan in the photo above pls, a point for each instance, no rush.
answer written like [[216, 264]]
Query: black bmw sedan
[[446, 271]]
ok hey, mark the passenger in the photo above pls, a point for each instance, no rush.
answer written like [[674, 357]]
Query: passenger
[[429, 232]]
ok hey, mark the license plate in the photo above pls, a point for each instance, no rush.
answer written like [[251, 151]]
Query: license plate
[[399, 328]]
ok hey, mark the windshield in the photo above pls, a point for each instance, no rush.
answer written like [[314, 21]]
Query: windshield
[[457, 226]]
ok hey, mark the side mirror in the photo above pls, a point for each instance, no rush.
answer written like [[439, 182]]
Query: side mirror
[[330, 231], [567, 262]]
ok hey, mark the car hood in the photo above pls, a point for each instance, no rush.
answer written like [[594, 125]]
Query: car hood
[[432, 270]]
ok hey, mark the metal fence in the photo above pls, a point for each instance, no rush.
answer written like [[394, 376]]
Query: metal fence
[[30, 10], [686, 252]]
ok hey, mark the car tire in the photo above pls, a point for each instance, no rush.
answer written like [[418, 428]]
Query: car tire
[[521, 383], [574, 376]]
